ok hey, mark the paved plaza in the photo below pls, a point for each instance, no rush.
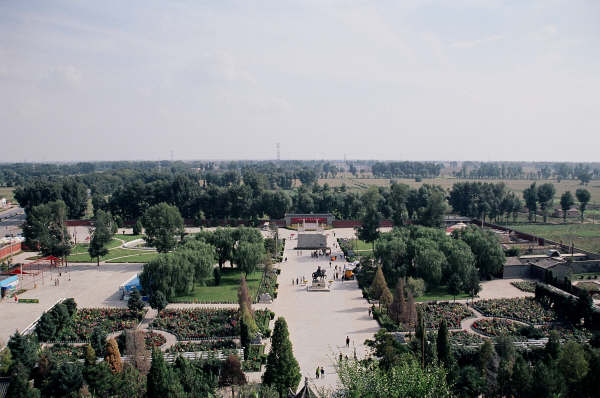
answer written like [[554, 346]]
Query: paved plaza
[[89, 285], [320, 321]]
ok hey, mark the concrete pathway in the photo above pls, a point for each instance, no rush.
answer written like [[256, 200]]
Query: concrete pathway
[[319, 322]]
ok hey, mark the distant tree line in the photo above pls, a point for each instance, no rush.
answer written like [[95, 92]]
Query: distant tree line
[[406, 169]]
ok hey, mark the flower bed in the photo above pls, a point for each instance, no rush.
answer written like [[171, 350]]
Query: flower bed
[[197, 346], [522, 309], [198, 323], [110, 319], [433, 314], [152, 340], [268, 284], [454, 313], [59, 353], [495, 327], [526, 286], [568, 333]]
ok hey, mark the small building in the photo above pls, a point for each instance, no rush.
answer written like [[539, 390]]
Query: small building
[[311, 242], [573, 212], [8, 282], [300, 219], [3, 203]]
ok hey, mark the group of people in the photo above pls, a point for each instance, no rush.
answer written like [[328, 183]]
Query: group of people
[[320, 372], [297, 281]]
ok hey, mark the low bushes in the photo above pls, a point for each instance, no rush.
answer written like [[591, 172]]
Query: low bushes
[[526, 286], [197, 346]]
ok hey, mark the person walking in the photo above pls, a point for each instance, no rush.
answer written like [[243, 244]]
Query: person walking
[[347, 341], [322, 373], [296, 281], [341, 357], [369, 312], [317, 372]]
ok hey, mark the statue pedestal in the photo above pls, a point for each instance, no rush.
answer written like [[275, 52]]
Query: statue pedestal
[[319, 286]]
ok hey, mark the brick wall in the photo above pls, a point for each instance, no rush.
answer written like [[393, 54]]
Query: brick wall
[[6, 251]]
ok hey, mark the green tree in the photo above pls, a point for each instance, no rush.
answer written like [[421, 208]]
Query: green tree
[[443, 345], [531, 198], [406, 379], [138, 227], [163, 224], [45, 228], [398, 198], [397, 309], [100, 379], [379, 285], [135, 303], [429, 265], [195, 382], [545, 194], [158, 301], [101, 236], [200, 255], [371, 217], [19, 386], [282, 371], [572, 362], [23, 349], [98, 341], [46, 327], [522, 379], [65, 380], [75, 196], [248, 255], [566, 202], [223, 241], [162, 381], [583, 197]]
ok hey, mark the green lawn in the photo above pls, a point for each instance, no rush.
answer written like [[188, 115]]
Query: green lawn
[[224, 293], [120, 255], [440, 294], [584, 236]]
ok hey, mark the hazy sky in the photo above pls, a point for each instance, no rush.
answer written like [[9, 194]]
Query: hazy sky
[[407, 79]]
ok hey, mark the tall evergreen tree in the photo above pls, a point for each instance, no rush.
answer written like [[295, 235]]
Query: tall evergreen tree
[[23, 349], [135, 303], [162, 381], [113, 356], [282, 371], [379, 285], [397, 309], [443, 346], [19, 386]]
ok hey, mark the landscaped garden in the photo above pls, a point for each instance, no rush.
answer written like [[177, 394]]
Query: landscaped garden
[[526, 286], [256, 358], [199, 323], [523, 309], [206, 291], [110, 319]]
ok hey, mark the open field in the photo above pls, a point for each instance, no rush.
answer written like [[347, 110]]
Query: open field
[[584, 236], [446, 182], [225, 292]]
